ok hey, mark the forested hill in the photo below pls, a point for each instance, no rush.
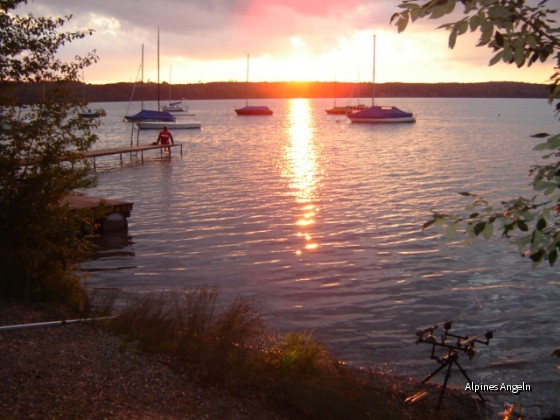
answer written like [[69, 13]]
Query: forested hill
[[239, 90]]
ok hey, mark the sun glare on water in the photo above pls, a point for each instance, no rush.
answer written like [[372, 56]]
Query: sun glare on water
[[302, 171]]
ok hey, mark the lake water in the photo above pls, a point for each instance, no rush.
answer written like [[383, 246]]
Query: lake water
[[318, 222]]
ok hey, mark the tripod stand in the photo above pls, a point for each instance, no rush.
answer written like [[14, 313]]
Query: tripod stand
[[463, 344]]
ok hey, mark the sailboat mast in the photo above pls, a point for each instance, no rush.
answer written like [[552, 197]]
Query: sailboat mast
[[247, 84], [142, 78], [373, 85], [158, 69]]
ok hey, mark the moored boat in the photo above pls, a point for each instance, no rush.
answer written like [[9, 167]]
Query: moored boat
[[149, 115], [382, 114], [172, 125], [91, 114], [254, 110], [175, 107], [345, 110]]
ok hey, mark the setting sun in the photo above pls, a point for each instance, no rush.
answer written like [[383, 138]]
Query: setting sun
[[297, 42]]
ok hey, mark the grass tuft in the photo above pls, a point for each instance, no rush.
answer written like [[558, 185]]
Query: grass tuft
[[231, 345]]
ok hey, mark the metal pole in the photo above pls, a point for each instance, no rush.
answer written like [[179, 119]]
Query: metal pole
[[52, 323], [142, 80], [373, 86], [247, 84], [158, 69]]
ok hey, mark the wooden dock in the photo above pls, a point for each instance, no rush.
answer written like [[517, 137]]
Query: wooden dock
[[93, 154], [113, 213]]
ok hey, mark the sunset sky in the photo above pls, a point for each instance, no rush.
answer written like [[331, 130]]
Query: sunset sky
[[315, 40]]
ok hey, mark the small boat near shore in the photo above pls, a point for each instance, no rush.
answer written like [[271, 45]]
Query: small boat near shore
[[91, 113]]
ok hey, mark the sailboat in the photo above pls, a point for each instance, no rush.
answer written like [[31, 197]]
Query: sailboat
[[344, 110], [176, 106], [252, 109], [380, 114], [159, 124], [89, 113], [146, 115]]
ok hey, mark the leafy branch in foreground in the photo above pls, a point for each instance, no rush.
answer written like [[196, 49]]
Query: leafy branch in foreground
[[41, 239], [520, 34], [532, 223], [517, 33]]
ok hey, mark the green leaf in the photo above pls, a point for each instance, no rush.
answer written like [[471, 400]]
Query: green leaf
[[488, 231], [507, 54], [498, 12], [537, 256], [452, 39], [487, 29], [451, 231], [553, 142], [462, 27], [415, 13], [496, 58], [428, 224], [552, 257], [479, 227], [402, 22], [474, 23], [499, 39], [442, 10], [519, 56], [531, 41], [541, 224], [522, 226], [556, 353]]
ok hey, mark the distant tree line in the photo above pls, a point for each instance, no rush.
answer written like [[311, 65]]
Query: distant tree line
[[28, 93]]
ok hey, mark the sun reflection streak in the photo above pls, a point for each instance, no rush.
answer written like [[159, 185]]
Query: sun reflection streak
[[302, 169]]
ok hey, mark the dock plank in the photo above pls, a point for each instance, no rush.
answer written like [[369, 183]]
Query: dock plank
[[128, 149], [114, 213], [83, 202]]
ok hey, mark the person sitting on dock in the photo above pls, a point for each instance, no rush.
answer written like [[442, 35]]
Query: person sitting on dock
[[164, 137]]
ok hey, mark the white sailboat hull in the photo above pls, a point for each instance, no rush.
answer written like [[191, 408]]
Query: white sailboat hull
[[158, 125]]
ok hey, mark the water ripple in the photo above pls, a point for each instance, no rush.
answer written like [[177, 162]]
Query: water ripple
[[320, 221]]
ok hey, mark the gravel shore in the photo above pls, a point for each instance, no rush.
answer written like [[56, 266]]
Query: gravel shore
[[83, 371]]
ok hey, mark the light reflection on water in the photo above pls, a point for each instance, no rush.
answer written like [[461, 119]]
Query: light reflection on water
[[319, 222], [301, 169]]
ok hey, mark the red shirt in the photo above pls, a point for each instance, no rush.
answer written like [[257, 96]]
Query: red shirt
[[165, 137]]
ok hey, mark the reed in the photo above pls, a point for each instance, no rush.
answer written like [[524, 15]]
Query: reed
[[232, 345]]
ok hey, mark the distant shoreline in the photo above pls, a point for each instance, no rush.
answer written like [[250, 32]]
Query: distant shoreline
[[122, 92]]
